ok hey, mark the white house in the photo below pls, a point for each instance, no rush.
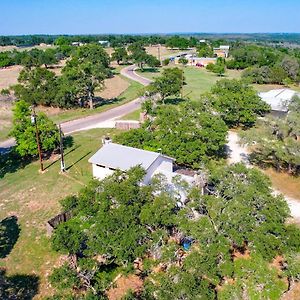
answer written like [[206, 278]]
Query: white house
[[104, 43], [113, 157], [279, 100], [222, 51]]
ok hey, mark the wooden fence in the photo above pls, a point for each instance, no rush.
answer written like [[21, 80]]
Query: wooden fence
[[54, 222]]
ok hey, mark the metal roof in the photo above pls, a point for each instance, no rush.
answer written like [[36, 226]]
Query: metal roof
[[121, 157], [278, 99]]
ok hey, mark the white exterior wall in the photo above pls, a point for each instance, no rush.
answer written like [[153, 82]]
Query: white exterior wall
[[161, 164], [101, 172]]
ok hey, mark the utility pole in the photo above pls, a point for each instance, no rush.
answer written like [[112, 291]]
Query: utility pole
[[182, 83], [158, 49], [62, 160], [33, 121]]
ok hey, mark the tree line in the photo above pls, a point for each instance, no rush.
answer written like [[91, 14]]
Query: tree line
[[35, 57], [264, 64], [84, 73]]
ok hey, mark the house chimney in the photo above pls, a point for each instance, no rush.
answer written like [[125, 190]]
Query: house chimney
[[106, 140]]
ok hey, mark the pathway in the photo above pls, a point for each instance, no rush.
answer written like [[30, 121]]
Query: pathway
[[238, 153]]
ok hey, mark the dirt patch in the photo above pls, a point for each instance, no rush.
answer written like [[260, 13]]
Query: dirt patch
[[123, 285], [114, 87], [11, 48], [293, 293], [286, 184], [58, 68]]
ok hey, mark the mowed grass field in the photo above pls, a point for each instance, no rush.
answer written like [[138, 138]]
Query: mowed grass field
[[198, 80], [34, 198]]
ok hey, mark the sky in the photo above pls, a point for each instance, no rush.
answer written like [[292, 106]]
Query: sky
[[147, 16]]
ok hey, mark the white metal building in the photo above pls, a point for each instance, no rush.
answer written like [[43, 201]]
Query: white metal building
[[279, 99], [113, 157]]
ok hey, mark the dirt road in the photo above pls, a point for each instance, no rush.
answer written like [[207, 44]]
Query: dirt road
[[238, 153]]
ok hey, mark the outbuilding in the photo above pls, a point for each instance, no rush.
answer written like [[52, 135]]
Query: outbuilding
[[279, 100], [112, 157]]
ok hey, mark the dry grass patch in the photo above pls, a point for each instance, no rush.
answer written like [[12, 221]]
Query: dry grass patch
[[39, 47], [164, 51], [9, 76], [114, 87], [285, 183], [268, 87], [123, 285]]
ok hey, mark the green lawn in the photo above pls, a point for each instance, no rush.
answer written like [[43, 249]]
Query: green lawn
[[135, 115], [198, 81], [34, 198]]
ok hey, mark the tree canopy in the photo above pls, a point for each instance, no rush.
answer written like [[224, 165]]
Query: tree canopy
[[120, 55], [264, 64], [84, 72], [189, 132], [140, 57], [168, 84], [237, 103], [25, 133], [235, 231]]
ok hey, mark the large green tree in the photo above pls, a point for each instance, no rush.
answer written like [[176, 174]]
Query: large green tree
[[86, 71], [120, 55], [238, 229], [24, 131], [140, 57], [36, 86], [237, 103], [168, 84]]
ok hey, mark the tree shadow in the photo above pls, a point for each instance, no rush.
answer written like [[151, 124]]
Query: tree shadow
[[11, 162], [150, 70], [18, 287], [98, 101], [9, 234], [174, 101]]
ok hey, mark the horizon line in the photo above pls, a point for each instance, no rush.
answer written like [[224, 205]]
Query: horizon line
[[149, 33]]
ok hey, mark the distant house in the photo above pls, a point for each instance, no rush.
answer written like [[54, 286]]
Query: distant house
[[222, 51], [112, 157], [193, 60], [279, 100], [104, 43], [77, 44], [203, 61]]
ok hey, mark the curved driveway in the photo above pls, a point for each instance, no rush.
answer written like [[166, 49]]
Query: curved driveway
[[130, 73]]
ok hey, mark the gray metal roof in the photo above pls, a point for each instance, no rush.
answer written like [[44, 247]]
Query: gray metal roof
[[121, 157], [278, 99]]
